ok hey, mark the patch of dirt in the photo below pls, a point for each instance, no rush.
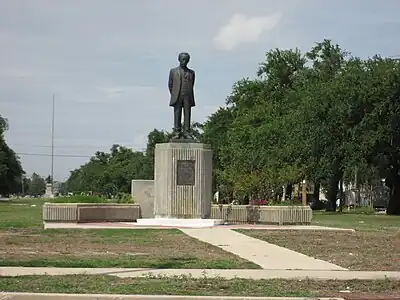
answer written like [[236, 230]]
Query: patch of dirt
[[360, 250], [85, 244]]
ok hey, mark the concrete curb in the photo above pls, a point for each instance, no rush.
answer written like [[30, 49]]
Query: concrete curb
[[43, 296], [134, 225], [254, 274]]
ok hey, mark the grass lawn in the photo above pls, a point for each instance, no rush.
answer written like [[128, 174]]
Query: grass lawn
[[374, 246], [189, 286], [360, 222], [23, 242]]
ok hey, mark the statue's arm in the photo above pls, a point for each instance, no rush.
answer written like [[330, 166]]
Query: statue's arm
[[193, 77], [170, 80]]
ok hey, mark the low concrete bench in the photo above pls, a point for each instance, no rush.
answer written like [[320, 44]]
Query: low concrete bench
[[108, 213], [278, 215], [90, 212]]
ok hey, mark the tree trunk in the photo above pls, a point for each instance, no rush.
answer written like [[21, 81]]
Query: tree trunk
[[333, 186], [341, 196], [289, 191], [394, 198], [317, 187]]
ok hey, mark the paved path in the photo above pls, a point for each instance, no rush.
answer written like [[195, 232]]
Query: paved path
[[133, 225], [266, 255], [211, 273]]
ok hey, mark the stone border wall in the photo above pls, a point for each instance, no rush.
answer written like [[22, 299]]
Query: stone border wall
[[280, 215], [60, 212], [231, 214], [73, 212]]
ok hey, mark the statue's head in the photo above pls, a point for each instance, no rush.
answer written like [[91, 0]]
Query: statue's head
[[183, 59]]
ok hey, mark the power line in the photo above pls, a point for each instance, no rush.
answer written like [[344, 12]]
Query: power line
[[55, 155], [75, 147], [58, 155]]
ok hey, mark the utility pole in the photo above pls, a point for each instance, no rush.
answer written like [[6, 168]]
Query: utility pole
[[52, 149]]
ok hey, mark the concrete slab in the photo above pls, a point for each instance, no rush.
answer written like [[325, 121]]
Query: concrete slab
[[266, 255], [43, 296], [134, 225], [255, 274], [180, 223]]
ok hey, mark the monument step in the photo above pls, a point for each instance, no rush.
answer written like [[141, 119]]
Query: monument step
[[190, 223]]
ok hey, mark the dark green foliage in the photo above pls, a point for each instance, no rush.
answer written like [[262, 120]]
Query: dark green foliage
[[37, 185], [110, 174], [80, 199], [10, 167]]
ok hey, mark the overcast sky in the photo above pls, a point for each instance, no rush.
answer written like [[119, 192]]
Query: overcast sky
[[108, 61]]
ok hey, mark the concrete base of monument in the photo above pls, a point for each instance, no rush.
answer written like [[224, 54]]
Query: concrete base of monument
[[171, 222]]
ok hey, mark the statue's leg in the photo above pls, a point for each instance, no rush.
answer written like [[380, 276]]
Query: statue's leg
[[178, 116], [186, 116]]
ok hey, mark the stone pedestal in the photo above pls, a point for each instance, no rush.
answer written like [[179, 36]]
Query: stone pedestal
[[49, 191], [183, 181]]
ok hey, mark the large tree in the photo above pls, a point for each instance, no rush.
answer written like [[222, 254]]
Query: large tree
[[11, 171], [376, 137]]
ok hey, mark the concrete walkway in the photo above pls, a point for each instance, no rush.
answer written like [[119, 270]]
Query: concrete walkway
[[34, 296], [210, 273], [266, 255]]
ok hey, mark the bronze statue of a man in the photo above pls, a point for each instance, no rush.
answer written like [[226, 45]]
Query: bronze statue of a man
[[180, 84]]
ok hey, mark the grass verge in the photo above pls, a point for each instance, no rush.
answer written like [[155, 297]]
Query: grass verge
[[183, 285], [360, 222]]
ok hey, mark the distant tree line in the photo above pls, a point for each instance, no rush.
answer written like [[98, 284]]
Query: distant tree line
[[111, 173]]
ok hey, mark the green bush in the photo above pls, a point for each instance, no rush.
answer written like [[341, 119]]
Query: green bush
[[79, 199], [364, 210], [291, 202], [124, 198]]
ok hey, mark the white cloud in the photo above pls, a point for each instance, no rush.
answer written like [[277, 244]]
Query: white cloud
[[243, 29]]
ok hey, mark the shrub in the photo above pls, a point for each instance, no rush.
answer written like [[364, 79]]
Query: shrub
[[124, 198], [79, 199]]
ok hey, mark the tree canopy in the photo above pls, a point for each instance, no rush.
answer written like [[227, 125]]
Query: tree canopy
[[10, 167]]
